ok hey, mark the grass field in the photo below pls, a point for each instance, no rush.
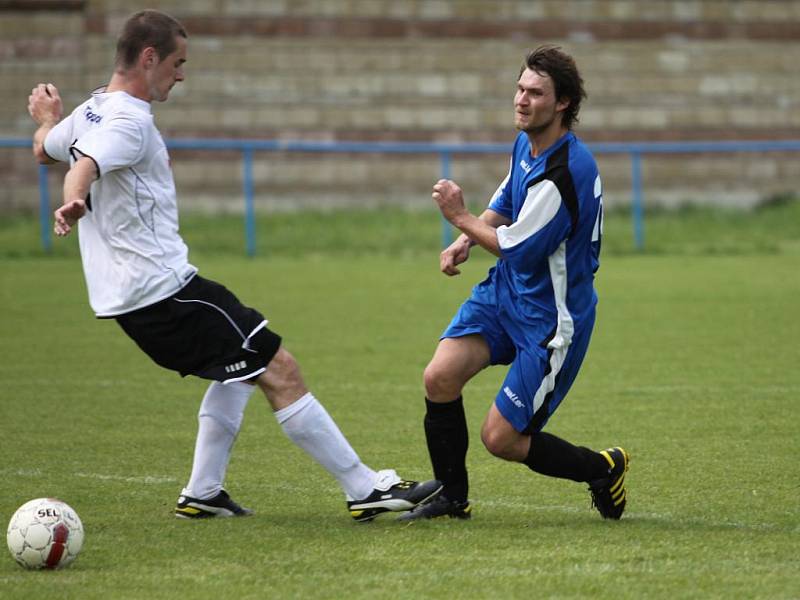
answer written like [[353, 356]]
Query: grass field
[[693, 368]]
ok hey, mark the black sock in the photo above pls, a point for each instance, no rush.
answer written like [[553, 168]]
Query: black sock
[[446, 433], [550, 455]]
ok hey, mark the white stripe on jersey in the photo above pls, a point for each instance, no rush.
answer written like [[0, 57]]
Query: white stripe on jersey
[[541, 205], [597, 232], [565, 328]]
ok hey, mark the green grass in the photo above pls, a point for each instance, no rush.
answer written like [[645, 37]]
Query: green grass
[[693, 367], [770, 229]]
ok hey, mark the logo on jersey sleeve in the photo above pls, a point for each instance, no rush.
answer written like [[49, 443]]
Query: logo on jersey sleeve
[[90, 116]]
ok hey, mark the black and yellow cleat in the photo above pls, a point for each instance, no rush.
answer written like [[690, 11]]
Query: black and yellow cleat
[[391, 493], [439, 507], [608, 493], [220, 505]]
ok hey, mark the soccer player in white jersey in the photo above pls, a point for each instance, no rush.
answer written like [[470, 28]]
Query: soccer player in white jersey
[[120, 191], [535, 310]]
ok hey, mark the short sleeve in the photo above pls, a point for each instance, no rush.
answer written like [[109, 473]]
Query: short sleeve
[[542, 225], [58, 140], [116, 144]]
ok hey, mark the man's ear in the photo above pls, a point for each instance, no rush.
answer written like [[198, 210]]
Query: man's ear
[[148, 58], [562, 104]]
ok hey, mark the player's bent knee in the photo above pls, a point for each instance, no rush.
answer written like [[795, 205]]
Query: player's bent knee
[[491, 442], [498, 444], [285, 365], [282, 374], [441, 384]]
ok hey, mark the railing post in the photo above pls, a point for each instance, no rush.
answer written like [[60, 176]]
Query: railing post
[[249, 209], [447, 229], [637, 201], [44, 210]]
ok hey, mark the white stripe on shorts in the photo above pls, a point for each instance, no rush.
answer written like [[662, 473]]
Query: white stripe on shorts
[[224, 314], [565, 328]]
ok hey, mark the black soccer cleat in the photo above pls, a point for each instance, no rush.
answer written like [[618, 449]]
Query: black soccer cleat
[[608, 493], [391, 493], [440, 506], [220, 505]]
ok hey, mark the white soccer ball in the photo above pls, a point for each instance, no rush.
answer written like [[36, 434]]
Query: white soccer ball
[[45, 533]]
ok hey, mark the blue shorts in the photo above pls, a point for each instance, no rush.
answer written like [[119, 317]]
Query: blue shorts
[[543, 364]]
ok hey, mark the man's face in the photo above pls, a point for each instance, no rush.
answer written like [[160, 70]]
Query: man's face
[[535, 105], [167, 72]]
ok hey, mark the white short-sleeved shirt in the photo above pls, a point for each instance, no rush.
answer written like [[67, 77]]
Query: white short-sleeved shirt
[[132, 253]]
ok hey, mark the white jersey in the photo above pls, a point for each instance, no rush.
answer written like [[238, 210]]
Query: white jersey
[[132, 253]]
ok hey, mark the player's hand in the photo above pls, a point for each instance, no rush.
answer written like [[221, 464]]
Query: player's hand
[[449, 198], [455, 254], [44, 104], [68, 215]]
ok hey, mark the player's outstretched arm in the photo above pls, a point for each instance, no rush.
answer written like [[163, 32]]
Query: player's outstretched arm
[[45, 108], [76, 188]]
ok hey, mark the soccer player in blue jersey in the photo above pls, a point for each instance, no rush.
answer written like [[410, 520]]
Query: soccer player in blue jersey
[[535, 310]]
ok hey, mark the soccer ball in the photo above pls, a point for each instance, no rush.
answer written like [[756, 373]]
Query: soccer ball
[[45, 533]]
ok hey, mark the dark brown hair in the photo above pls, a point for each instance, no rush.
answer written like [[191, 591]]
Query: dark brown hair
[[145, 29], [561, 68]]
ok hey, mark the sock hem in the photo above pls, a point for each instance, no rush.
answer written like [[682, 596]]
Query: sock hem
[[295, 407]]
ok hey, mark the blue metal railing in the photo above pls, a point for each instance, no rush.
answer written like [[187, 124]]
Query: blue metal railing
[[248, 148]]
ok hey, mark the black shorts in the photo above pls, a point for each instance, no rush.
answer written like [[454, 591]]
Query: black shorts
[[203, 330]]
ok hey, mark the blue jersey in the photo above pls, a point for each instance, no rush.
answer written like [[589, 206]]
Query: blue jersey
[[536, 308], [550, 251]]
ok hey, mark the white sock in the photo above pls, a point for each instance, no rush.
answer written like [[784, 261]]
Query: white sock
[[309, 425], [219, 419]]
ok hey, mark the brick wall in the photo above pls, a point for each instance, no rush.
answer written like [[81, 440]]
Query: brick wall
[[431, 70]]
